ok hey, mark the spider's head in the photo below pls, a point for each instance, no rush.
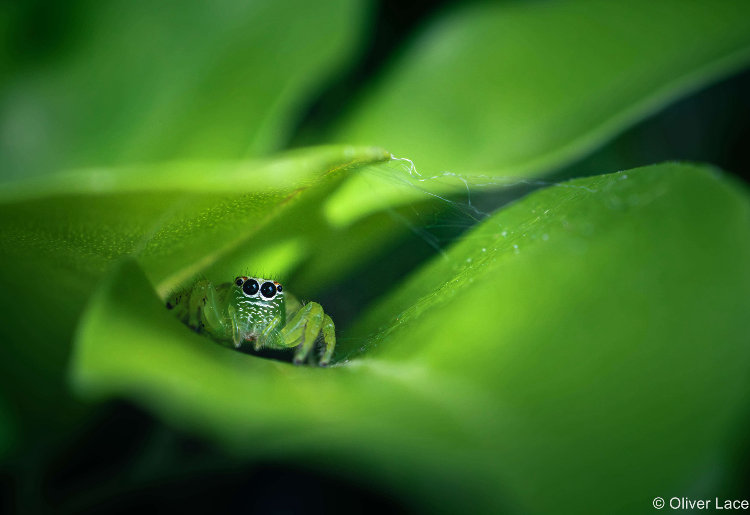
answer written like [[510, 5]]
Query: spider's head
[[260, 300]]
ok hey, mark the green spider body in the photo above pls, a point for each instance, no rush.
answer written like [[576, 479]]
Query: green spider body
[[257, 311]]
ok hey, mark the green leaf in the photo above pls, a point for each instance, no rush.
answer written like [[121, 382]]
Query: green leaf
[[207, 80], [583, 350], [179, 219], [517, 89], [60, 235]]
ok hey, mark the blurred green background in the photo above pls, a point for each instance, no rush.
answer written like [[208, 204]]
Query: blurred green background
[[583, 349]]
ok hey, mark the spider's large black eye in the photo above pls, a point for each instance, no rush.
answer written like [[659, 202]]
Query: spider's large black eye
[[268, 290], [250, 287]]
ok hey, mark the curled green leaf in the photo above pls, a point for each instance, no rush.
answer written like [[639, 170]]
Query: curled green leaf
[[588, 342]]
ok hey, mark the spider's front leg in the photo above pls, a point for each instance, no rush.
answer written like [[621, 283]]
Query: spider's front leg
[[303, 329]]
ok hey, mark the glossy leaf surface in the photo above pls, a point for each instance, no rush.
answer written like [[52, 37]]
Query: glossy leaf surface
[[182, 80], [519, 89], [551, 352]]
